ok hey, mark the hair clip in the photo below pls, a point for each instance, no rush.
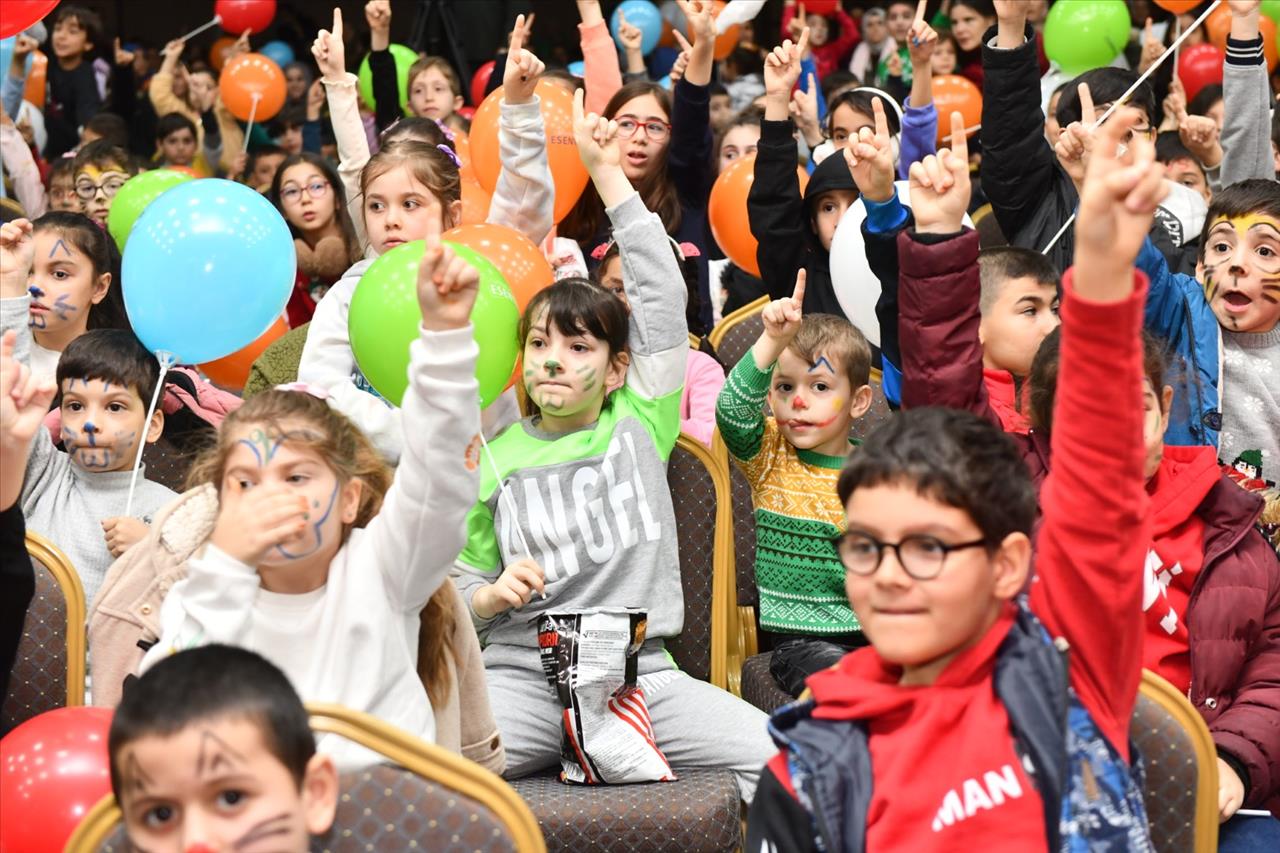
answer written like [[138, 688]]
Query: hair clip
[[449, 152], [444, 128], [688, 250], [600, 251], [305, 388]]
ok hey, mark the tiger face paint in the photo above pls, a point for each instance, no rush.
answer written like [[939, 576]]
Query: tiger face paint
[[1240, 272]]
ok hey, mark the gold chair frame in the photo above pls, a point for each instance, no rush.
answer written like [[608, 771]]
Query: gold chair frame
[[64, 574], [1177, 706], [734, 318]]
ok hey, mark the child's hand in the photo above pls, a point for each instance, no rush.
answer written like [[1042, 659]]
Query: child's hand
[[920, 44], [1117, 203], [329, 50], [123, 532], [1076, 140], [447, 284], [241, 46], [238, 165], [804, 110], [17, 252], [253, 520], [796, 25], [870, 158], [1151, 48], [682, 58], [123, 57], [1175, 103], [597, 137], [513, 588], [782, 67], [23, 44], [1200, 135], [378, 15], [24, 401], [702, 25], [523, 68], [940, 185], [629, 34], [782, 317], [1230, 791], [315, 99]]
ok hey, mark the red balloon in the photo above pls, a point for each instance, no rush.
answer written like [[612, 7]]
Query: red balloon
[[53, 769], [820, 7], [17, 15], [240, 15], [480, 81], [1198, 66]]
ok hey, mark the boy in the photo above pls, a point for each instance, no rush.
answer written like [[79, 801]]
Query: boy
[[100, 170], [814, 373], [211, 749], [963, 727], [877, 45], [73, 89], [434, 89], [175, 140], [263, 164], [722, 111], [62, 187], [1181, 166]]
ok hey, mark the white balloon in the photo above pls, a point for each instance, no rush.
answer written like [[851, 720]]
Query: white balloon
[[856, 287]]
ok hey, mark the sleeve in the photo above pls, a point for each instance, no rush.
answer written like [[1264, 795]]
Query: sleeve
[[231, 132], [22, 170], [212, 604], [87, 99], [809, 66], [124, 91], [353, 145], [1018, 165], [603, 75], [776, 822], [480, 562], [919, 136], [704, 379], [311, 136], [880, 242], [849, 34], [15, 313], [1246, 128], [386, 89], [1163, 312], [740, 408], [17, 588], [524, 197], [162, 97], [1095, 529], [775, 209], [938, 297], [416, 536], [689, 154], [11, 93]]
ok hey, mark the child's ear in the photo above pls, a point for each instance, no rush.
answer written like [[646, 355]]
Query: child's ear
[[453, 214], [615, 375], [156, 426], [351, 493], [1012, 562], [1200, 270], [1166, 405], [458, 103], [319, 793], [861, 402], [100, 288]]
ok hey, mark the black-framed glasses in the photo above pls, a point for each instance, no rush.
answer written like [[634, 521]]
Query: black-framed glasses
[[291, 194], [922, 557], [653, 128], [87, 189]]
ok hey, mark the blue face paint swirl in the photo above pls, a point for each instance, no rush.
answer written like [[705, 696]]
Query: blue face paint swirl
[[333, 498]]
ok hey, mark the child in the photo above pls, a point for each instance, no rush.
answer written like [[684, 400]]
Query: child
[[814, 374], [100, 171], [71, 284], [286, 129], [299, 566], [603, 452], [829, 49], [309, 194], [194, 94], [434, 89], [742, 73], [175, 140], [62, 187], [73, 89], [876, 46], [212, 750], [963, 726], [944, 56], [901, 15], [263, 165], [1181, 166]]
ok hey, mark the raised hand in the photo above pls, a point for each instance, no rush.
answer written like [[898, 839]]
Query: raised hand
[[24, 400], [782, 317], [921, 41], [17, 253], [782, 66], [1076, 140], [241, 47], [254, 519], [330, 51], [520, 77], [1200, 135], [597, 138], [122, 56], [514, 588], [23, 44], [173, 55], [703, 29], [378, 15], [1011, 22], [629, 34], [797, 23], [1151, 48], [940, 185], [447, 285], [682, 58], [315, 99], [804, 109], [870, 157]]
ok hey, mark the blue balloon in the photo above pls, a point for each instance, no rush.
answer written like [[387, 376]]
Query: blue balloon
[[208, 268], [278, 52], [642, 14], [578, 68], [6, 57]]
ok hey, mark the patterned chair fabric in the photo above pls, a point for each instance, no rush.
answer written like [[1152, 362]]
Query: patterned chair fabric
[[167, 464], [1169, 755], [693, 496], [876, 415], [739, 337], [698, 813], [38, 681], [758, 686]]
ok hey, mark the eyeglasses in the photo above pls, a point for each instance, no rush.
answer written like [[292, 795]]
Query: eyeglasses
[[921, 557], [655, 129], [87, 189], [291, 194]]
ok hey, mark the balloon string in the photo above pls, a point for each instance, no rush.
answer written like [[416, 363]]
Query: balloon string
[[166, 362], [1119, 102], [217, 19], [1177, 46], [248, 128], [505, 493]]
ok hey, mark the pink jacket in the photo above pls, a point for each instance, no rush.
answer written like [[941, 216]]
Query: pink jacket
[[703, 379]]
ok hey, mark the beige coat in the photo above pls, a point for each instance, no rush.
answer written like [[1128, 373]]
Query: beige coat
[[125, 618], [160, 90]]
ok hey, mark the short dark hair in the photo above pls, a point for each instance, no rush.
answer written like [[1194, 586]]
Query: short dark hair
[[984, 8], [1256, 195], [110, 127], [112, 355], [1106, 85], [289, 117], [576, 305], [1205, 99], [746, 60], [953, 457], [172, 123], [88, 20], [836, 79], [715, 87], [214, 682], [1169, 148], [270, 150], [860, 101], [1043, 378], [1002, 263], [101, 153], [418, 129]]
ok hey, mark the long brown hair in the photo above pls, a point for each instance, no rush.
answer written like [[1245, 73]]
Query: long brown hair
[[657, 190], [333, 437]]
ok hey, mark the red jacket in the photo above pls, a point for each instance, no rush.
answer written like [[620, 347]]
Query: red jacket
[[832, 55]]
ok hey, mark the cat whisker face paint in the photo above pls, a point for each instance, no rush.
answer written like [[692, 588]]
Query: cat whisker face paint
[[1241, 272]]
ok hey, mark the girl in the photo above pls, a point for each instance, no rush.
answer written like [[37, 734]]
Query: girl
[[738, 139], [606, 388], [309, 194], [306, 562], [945, 54], [666, 147], [71, 287]]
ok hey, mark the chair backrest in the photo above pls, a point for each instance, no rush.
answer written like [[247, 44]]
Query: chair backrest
[[699, 495], [1181, 768], [48, 670], [431, 800], [733, 336], [167, 464]]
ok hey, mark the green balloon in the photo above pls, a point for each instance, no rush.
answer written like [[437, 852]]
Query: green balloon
[[133, 198], [1271, 8], [1085, 34], [404, 58], [384, 319]]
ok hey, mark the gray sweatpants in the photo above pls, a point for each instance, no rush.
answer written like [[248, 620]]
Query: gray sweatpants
[[696, 724]]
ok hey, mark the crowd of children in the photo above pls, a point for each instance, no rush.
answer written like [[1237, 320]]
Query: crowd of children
[[1077, 482]]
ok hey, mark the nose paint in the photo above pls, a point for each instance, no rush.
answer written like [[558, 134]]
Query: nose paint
[[553, 366], [35, 292], [91, 431]]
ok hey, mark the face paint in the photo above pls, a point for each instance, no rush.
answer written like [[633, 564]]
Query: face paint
[[821, 362], [317, 529]]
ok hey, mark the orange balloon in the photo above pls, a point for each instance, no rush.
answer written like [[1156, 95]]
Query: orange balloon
[[218, 53], [231, 371], [36, 77], [462, 147], [521, 263], [727, 40], [475, 202], [1178, 7], [567, 172], [1218, 26], [951, 92], [727, 212], [186, 170], [668, 37], [248, 78]]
